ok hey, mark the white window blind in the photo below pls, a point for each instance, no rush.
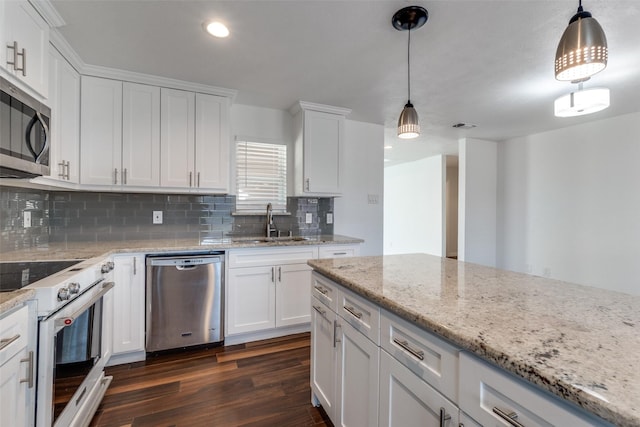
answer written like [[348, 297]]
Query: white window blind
[[261, 176]]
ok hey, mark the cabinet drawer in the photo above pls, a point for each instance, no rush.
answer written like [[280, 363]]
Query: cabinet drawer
[[484, 390], [271, 256], [325, 290], [13, 333], [338, 251], [360, 313], [429, 357]]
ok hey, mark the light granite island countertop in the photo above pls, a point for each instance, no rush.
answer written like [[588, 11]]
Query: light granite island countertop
[[579, 343]]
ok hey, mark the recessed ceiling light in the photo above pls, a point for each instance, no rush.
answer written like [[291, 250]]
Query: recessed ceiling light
[[217, 29]]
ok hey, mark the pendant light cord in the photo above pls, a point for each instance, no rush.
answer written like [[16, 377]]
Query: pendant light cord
[[409, 67]]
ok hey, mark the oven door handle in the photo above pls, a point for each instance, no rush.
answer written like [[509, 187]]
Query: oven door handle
[[67, 321]]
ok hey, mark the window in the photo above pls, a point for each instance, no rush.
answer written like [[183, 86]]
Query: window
[[261, 176]]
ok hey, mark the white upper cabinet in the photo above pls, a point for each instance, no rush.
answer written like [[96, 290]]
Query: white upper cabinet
[[195, 140], [120, 133], [140, 135], [100, 131], [24, 38], [319, 145], [64, 100]]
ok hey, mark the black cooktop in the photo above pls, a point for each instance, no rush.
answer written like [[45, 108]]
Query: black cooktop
[[16, 275]]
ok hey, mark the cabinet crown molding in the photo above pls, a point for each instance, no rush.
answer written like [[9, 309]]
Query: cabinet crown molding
[[304, 105]]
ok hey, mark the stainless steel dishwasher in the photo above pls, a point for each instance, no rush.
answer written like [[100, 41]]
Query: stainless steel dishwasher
[[184, 300]]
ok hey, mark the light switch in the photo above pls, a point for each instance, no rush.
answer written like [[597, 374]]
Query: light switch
[[329, 218], [309, 219]]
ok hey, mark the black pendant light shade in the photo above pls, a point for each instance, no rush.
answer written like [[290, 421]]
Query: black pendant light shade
[[582, 51], [407, 19]]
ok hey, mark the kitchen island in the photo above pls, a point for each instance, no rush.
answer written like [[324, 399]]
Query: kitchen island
[[579, 343]]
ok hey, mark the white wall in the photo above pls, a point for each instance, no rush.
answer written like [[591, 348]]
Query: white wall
[[413, 207], [569, 204], [477, 189], [363, 176]]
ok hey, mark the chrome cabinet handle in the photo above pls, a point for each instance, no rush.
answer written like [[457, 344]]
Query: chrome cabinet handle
[[444, 417], [353, 312], [418, 354], [68, 170], [198, 180], [5, 342], [62, 166], [29, 379], [115, 176], [335, 333], [273, 274], [307, 184], [322, 290], [508, 417], [134, 266], [190, 179], [339, 253], [279, 274], [124, 176], [322, 312], [16, 54]]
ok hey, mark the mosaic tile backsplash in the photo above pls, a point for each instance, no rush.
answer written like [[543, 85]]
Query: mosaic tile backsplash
[[64, 216]]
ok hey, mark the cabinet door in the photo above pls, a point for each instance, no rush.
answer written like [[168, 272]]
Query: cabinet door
[[358, 365], [129, 304], [322, 152], [100, 131], [64, 98], [212, 143], [406, 400], [293, 289], [250, 299], [23, 24], [323, 356], [140, 135], [177, 138], [13, 404]]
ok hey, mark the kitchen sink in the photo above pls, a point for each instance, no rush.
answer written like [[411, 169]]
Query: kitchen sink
[[269, 239]]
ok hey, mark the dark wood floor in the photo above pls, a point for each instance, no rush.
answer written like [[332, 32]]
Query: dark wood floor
[[265, 383]]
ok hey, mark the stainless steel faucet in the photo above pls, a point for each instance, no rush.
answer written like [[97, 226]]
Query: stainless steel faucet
[[271, 228]]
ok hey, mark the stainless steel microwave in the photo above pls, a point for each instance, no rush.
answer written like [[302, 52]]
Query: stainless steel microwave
[[24, 134]]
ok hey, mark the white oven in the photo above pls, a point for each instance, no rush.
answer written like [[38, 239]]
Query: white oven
[[74, 343]]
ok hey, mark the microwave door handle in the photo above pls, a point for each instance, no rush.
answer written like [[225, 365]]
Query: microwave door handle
[[37, 118]]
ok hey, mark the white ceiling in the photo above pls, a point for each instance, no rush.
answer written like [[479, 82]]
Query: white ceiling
[[486, 62]]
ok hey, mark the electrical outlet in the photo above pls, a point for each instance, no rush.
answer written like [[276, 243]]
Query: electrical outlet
[[329, 218], [157, 217], [25, 277], [372, 199], [26, 219], [309, 218]]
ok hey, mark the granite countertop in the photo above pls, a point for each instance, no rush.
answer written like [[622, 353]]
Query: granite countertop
[[88, 250], [580, 343]]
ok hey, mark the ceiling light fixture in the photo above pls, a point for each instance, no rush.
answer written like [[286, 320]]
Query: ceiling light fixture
[[217, 29], [407, 19], [581, 102], [582, 51]]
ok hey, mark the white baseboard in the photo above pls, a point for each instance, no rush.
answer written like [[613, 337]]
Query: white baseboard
[[266, 334]]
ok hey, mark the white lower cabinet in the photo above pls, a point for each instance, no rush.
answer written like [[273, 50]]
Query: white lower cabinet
[[344, 360], [406, 400], [129, 308], [17, 367], [493, 397], [267, 289]]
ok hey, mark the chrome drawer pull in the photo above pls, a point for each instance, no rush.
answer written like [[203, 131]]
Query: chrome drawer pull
[[5, 342], [353, 312], [419, 354], [339, 253], [335, 333], [320, 289], [320, 311], [508, 417], [444, 417]]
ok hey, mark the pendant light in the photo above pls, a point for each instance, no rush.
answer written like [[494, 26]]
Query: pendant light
[[582, 51], [407, 19]]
